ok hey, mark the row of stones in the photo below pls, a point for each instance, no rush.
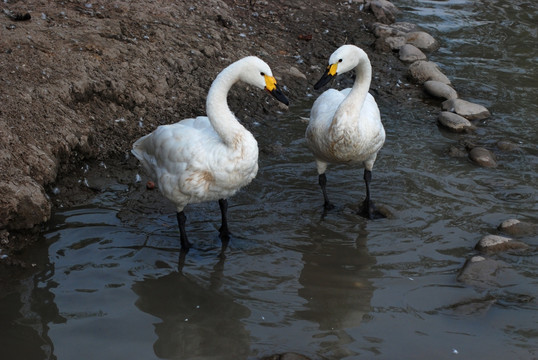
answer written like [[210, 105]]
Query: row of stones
[[410, 43]]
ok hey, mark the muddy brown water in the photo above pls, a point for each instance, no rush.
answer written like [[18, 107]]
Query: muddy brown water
[[332, 286]]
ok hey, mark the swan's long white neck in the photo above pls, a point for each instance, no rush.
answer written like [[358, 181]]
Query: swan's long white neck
[[356, 97], [221, 117]]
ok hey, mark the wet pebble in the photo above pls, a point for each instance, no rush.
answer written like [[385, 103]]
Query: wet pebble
[[468, 110], [482, 157], [518, 228], [496, 243], [422, 40], [507, 145], [440, 90], [456, 152], [410, 53], [454, 122], [483, 272], [422, 71]]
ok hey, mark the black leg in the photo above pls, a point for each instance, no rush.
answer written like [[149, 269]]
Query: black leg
[[322, 179], [368, 208], [185, 244], [224, 232]]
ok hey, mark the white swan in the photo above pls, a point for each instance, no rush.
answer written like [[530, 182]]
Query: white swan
[[345, 126], [207, 158]]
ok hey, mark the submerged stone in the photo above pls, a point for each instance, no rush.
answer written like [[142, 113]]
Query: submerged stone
[[495, 243], [506, 145], [483, 272], [482, 157], [455, 151], [468, 110], [422, 71], [440, 90]]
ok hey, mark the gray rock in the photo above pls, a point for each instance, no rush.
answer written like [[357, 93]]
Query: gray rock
[[495, 243], [422, 40], [454, 121], [404, 27], [384, 11], [439, 89], [381, 30], [422, 71], [410, 53], [518, 228], [395, 42], [482, 157], [396, 29], [482, 273], [468, 110]]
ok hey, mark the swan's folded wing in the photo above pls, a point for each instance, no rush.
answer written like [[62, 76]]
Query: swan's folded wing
[[325, 105], [170, 147]]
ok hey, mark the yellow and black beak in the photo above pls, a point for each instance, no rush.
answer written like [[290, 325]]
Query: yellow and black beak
[[327, 76], [273, 89]]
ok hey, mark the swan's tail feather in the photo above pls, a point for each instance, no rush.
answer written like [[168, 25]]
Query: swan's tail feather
[[139, 150]]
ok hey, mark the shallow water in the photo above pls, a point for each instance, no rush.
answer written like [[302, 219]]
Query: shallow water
[[334, 286]]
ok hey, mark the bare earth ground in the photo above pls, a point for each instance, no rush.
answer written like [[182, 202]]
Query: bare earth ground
[[81, 80]]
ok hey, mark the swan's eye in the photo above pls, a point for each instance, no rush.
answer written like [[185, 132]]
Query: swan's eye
[[262, 73], [340, 60]]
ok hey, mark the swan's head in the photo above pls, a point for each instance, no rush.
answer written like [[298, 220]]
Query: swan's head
[[344, 59], [256, 72]]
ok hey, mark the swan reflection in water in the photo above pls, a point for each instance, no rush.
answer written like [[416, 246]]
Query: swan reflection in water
[[337, 288], [198, 321]]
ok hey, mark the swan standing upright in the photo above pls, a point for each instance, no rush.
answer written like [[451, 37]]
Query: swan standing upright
[[207, 158], [345, 126]]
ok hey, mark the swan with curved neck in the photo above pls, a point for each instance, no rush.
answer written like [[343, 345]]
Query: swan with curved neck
[[208, 157], [345, 126]]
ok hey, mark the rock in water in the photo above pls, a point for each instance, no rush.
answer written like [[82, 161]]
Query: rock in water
[[410, 53], [483, 273], [495, 243], [422, 40], [482, 157], [518, 228], [440, 90], [422, 71], [466, 109], [454, 121]]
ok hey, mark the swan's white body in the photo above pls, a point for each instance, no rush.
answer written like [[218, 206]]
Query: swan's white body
[[345, 126], [207, 158], [191, 163]]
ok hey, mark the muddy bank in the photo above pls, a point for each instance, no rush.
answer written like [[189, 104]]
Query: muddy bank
[[82, 80]]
